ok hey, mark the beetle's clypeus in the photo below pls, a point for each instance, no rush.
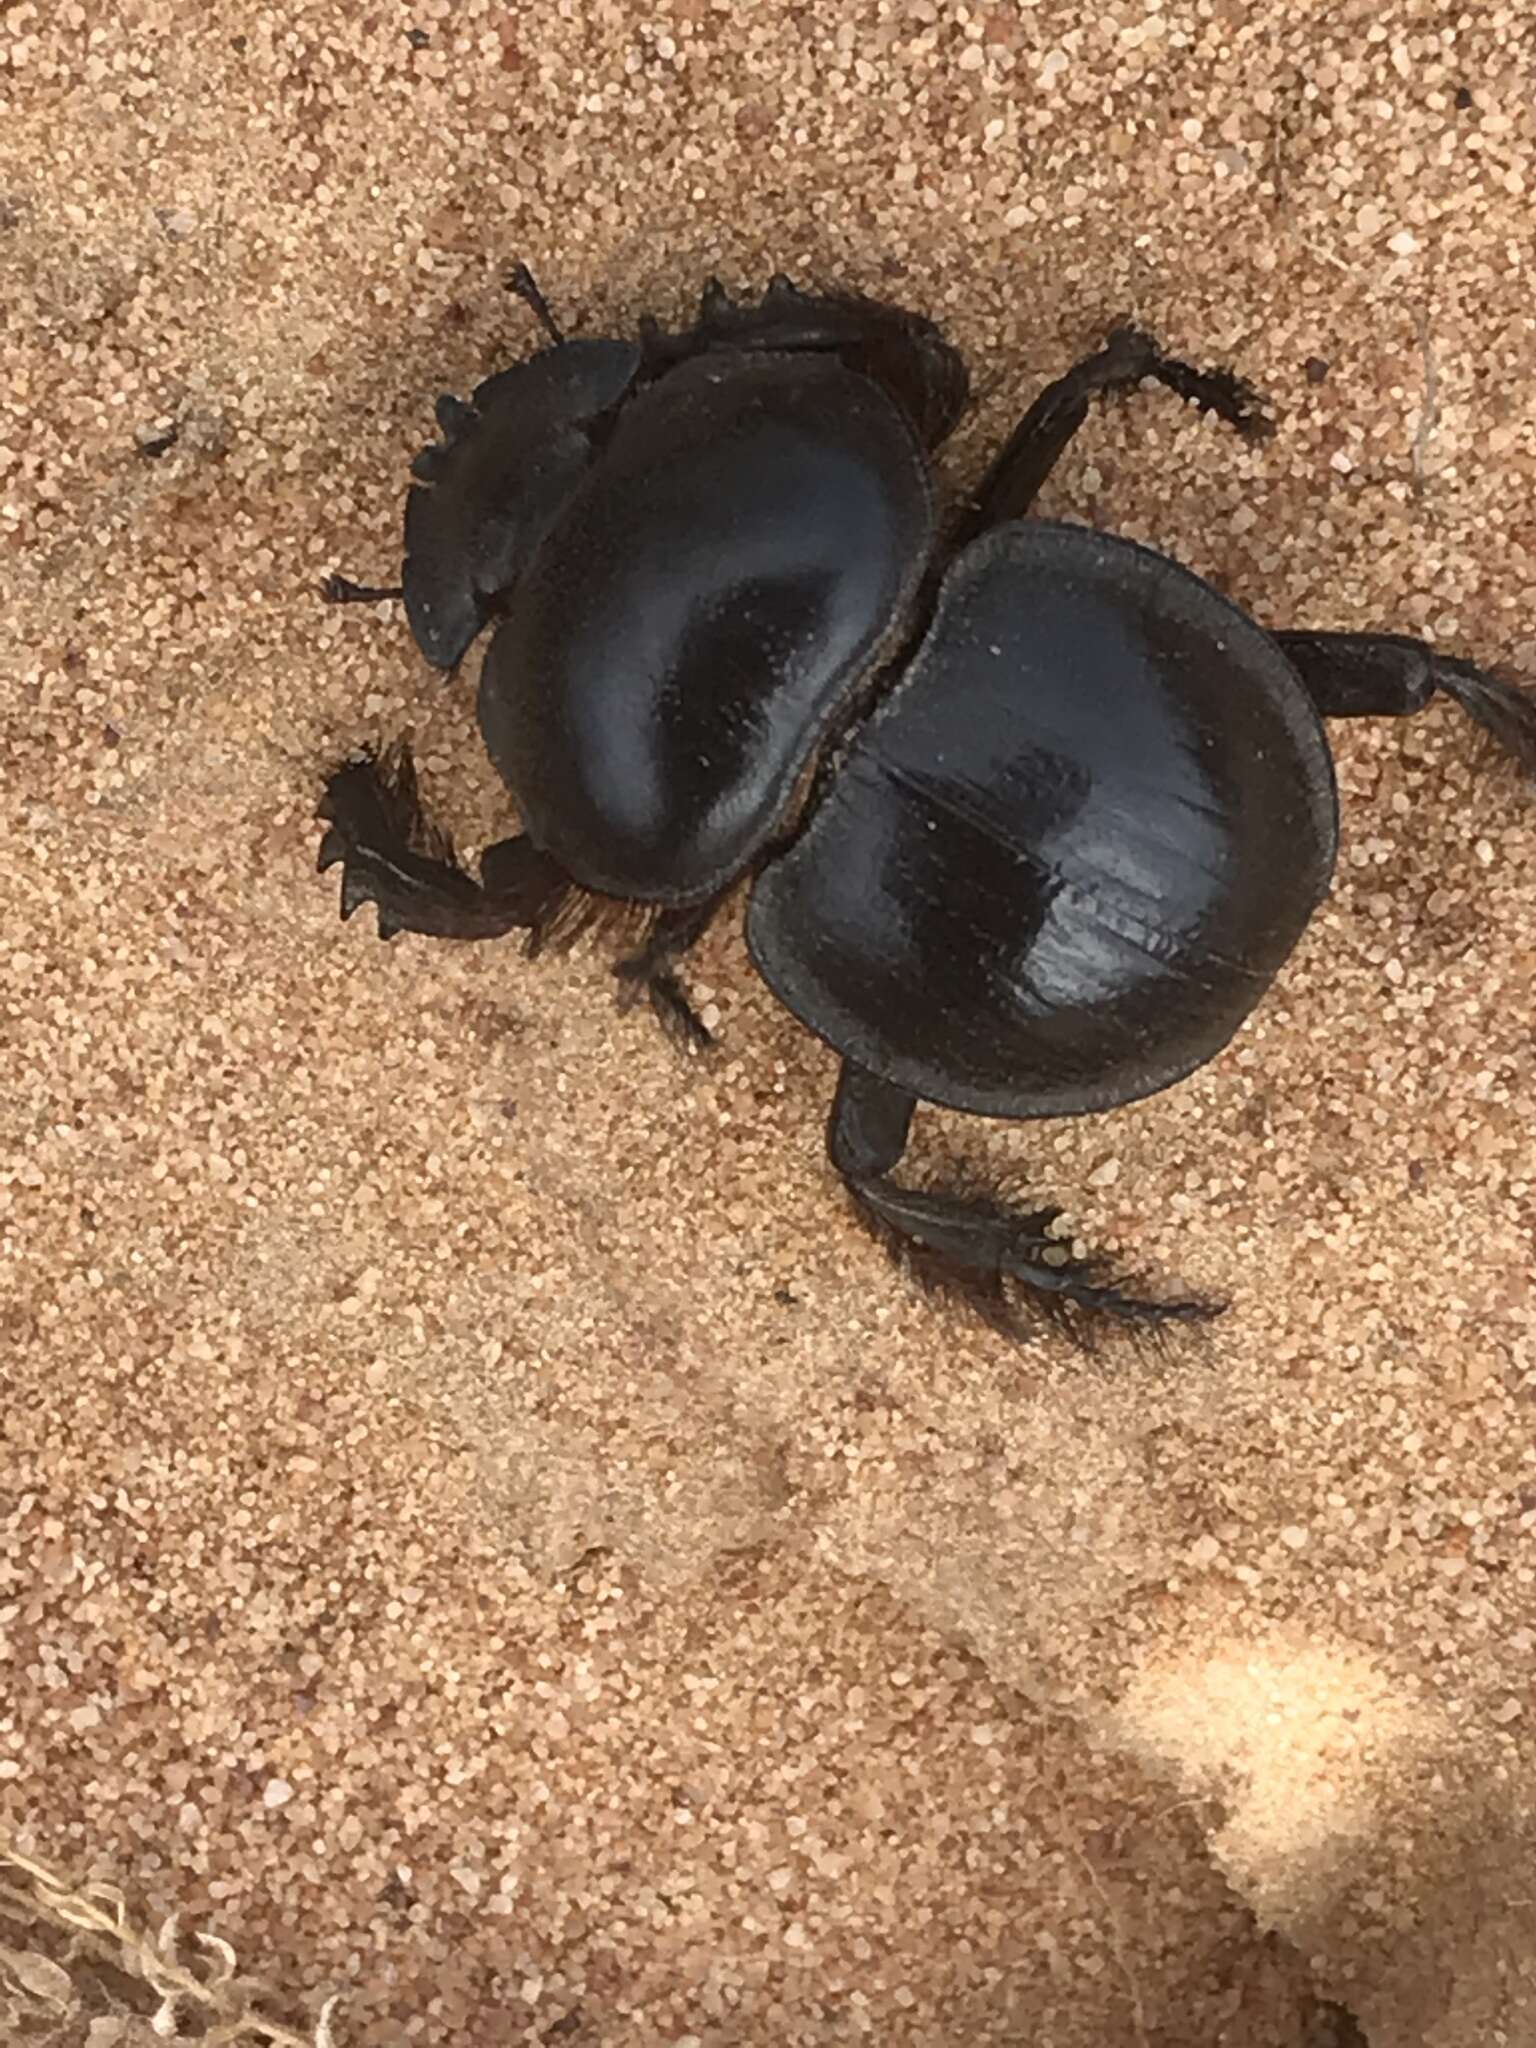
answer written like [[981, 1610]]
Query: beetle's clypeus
[[1031, 815]]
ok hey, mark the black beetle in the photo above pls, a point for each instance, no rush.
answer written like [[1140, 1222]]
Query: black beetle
[[1031, 814]]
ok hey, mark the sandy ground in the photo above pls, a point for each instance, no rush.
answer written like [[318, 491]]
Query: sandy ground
[[483, 1528]]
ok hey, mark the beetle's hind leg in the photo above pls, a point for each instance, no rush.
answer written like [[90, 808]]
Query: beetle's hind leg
[[652, 971], [1384, 675], [393, 856], [1038, 442], [996, 1256]]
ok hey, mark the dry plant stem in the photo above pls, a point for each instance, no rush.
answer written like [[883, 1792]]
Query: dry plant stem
[[96, 1916]]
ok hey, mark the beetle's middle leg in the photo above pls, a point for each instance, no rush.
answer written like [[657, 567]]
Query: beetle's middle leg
[[652, 969], [1037, 443], [986, 1249]]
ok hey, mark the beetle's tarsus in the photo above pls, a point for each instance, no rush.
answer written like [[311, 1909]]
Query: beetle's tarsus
[[1222, 392], [1504, 710], [521, 280], [1005, 1262], [1017, 1310], [673, 1011], [663, 990], [653, 969], [1001, 1260], [336, 589]]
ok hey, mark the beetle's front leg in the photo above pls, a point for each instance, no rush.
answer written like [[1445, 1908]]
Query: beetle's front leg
[[997, 1257], [393, 856]]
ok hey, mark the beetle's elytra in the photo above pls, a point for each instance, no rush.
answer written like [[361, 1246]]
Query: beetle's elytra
[[1030, 815]]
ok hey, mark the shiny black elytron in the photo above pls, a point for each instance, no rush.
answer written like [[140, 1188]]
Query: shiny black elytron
[[1030, 815]]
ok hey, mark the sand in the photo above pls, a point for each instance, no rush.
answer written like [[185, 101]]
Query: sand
[[484, 1531]]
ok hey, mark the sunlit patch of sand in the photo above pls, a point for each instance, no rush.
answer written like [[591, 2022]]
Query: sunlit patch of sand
[[1297, 1739]]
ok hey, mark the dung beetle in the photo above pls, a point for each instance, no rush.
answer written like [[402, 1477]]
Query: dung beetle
[[1030, 814]]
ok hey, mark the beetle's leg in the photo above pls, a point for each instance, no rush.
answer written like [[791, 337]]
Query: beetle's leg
[[652, 969], [983, 1247], [394, 857], [1382, 675], [1036, 444], [342, 590]]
